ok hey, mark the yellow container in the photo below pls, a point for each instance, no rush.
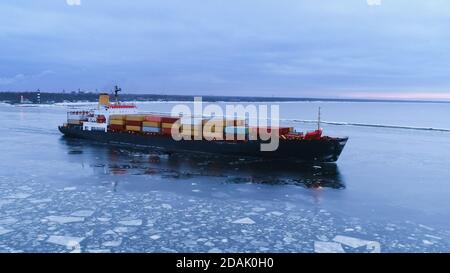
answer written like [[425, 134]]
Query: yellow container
[[214, 125], [196, 134], [135, 117], [239, 122], [166, 125], [191, 128], [117, 122], [151, 124], [230, 137], [133, 128], [117, 117], [212, 135], [221, 121]]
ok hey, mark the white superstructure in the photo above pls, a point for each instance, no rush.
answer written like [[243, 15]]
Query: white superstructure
[[98, 119]]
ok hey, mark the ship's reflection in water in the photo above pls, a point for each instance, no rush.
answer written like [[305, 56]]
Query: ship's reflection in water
[[117, 160]]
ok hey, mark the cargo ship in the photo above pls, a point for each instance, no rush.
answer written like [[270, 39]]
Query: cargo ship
[[119, 123]]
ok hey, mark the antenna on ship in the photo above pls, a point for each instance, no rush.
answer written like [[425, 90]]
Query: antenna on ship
[[116, 93], [318, 120]]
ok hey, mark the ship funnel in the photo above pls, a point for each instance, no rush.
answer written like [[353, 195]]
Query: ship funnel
[[103, 99]]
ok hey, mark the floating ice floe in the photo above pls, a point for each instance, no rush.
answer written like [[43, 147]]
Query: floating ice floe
[[98, 251], [276, 213], [83, 213], [215, 250], [166, 206], [257, 209], [433, 237], [64, 219], [426, 242], [18, 196], [67, 241], [121, 230], [327, 247], [155, 237], [426, 227], [371, 246], [37, 201], [289, 240], [5, 202], [245, 221], [103, 219], [109, 232], [322, 237], [112, 243], [24, 188], [70, 188], [8, 221], [134, 222], [4, 231]]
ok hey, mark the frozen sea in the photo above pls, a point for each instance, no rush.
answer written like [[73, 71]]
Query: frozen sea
[[388, 192]]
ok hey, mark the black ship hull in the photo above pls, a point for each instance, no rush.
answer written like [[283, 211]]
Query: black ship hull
[[326, 149]]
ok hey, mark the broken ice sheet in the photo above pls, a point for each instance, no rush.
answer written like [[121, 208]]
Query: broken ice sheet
[[134, 222], [83, 213], [276, 213], [327, 247], [371, 246], [166, 206], [215, 250], [4, 231], [112, 243], [245, 221], [64, 219], [66, 241], [8, 221], [37, 201], [109, 232], [18, 196], [155, 237]]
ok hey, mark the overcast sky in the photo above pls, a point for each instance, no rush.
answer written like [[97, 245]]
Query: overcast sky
[[314, 48]]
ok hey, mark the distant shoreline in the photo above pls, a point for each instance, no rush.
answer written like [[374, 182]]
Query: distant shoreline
[[52, 98]]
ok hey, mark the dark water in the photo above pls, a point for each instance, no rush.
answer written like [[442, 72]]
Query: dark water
[[389, 191]]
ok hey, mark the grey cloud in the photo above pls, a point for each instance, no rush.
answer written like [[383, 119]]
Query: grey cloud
[[251, 47]]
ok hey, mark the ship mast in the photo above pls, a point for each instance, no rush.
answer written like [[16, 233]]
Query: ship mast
[[116, 93], [318, 120]]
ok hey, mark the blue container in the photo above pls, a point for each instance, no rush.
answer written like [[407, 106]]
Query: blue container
[[151, 129], [240, 130]]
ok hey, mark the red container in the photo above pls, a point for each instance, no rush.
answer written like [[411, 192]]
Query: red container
[[284, 130], [294, 136], [281, 130], [153, 118], [134, 123], [166, 131], [116, 127], [169, 119]]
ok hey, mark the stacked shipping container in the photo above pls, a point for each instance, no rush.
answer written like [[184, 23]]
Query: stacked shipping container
[[117, 122], [215, 128], [151, 124]]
